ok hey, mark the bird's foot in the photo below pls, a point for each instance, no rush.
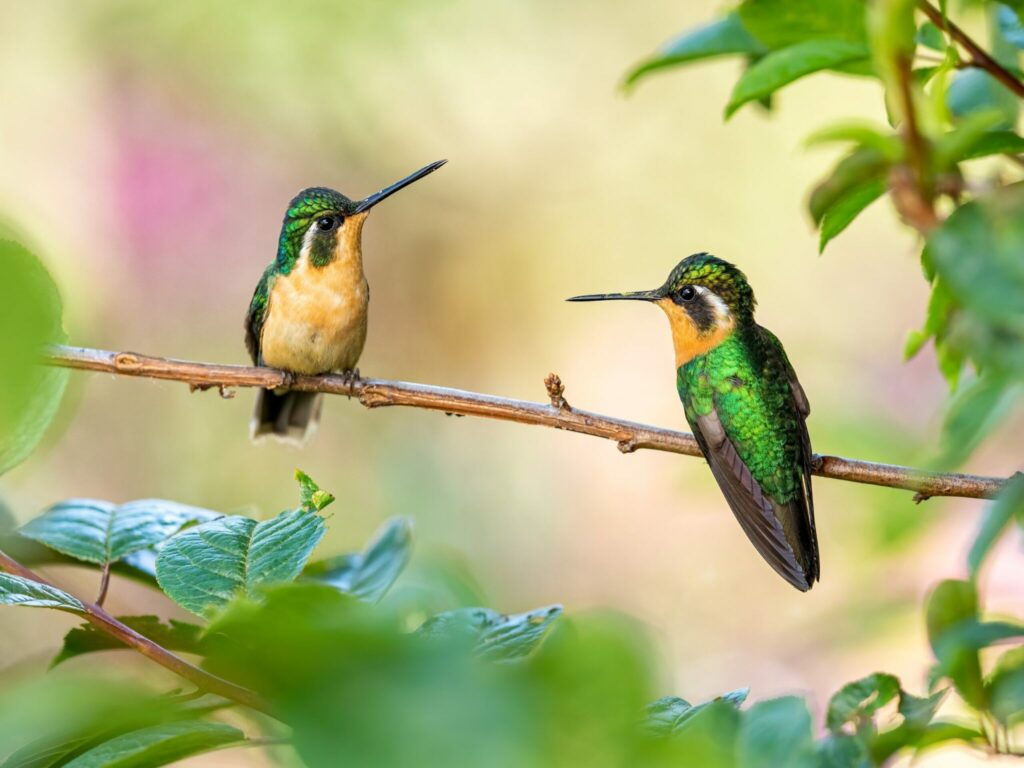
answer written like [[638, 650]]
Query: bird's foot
[[351, 378]]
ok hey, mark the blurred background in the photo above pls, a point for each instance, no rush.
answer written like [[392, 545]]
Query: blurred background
[[149, 151]]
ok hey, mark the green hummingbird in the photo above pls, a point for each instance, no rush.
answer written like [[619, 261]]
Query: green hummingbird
[[308, 314], [745, 407]]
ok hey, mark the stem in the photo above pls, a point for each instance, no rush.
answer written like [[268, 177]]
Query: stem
[[106, 623], [104, 583], [375, 393], [979, 57]]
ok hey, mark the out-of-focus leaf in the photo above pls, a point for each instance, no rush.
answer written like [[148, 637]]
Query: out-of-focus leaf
[[14, 590], [174, 636], [783, 66], [100, 532], [158, 745], [1006, 687], [727, 36], [920, 740], [842, 750], [861, 133], [779, 23], [861, 699], [846, 209], [918, 711], [1010, 26], [370, 573], [776, 734], [709, 738], [996, 143], [959, 143], [310, 494], [30, 319], [996, 520], [857, 169], [973, 412], [952, 605], [670, 714], [494, 636], [974, 90], [931, 36]]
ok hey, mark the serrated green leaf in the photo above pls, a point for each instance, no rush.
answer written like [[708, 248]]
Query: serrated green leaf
[[857, 169], [781, 67], [779, 23], [954, 604], [370, 573], [861, 699], [495, 636], [846, 209], [995, 521], [100, 532], [159, 745], [670, 715], [204, 567], [30, 319], [15, 590], [724, 37], [174, 636], [776, 734], [310, 494]]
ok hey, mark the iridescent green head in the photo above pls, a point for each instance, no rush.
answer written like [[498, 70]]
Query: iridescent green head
[[320, 220], [705, 299]]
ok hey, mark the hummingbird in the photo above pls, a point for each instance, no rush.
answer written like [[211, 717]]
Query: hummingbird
[[309, 311], [745, 406]]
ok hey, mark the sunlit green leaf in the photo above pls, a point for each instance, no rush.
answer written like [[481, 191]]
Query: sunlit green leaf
[[778, 23], [861, 133], [776, 734], [101, 532], [861, 699], [783, 66], [846, 209], [310, 494], [30, 319], [15, 590], [370, 573], [174, 636], [495, 636], [159, 745], [719, 38], [995, 521]]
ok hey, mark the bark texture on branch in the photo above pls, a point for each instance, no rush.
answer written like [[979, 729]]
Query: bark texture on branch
[[375, 393]]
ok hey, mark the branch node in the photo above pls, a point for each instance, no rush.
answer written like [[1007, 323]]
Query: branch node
[[226, 392], [921, 496], [629, 445], [126, 361], [556, 391]]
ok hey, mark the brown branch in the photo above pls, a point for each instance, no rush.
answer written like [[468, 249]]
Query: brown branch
[[104, 583], [979, 57], [375, 393], [106, 623]]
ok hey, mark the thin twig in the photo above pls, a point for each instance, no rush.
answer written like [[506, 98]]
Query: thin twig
[[375, 393], [106, 623], [104, 583], [979, 57]]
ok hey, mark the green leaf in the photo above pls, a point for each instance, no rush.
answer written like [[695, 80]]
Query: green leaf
[[846, 209], [854, 171], [724, 37], [861, 133], [957, 144], [975, 90], [995, 521], [495, 636], [954, 604], [920, 740], [670, 715], [14, 590], [931, 36], [783, 66], [100, 532], [369, 574], [1006, 687], [996, 143], [918, 711], [843, 750], [204, 567], [778, 23], [776, 734], [972, 413], [174, 636], [861, 699], [30, 319], [158, 745], [310, 494]]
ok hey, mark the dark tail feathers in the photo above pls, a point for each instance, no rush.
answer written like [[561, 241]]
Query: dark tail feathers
[[288, 416]]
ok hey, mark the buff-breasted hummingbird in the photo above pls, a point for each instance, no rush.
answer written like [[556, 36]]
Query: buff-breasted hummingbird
[[745, 407], [308, 314]]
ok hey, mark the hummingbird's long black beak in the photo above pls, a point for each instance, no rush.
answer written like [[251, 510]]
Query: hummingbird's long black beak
[[633, 296], [376, 197]]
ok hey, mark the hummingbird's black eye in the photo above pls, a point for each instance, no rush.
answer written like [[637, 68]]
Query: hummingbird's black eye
[[686, 293], [327, 223]]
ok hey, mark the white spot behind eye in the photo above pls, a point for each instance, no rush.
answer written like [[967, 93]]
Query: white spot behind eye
[[722, 313]]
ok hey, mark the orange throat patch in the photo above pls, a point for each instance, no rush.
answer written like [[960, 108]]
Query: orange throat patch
[[689, 341]]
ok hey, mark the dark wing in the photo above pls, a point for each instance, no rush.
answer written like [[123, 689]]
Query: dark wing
[[803, 409], [767, 524], [256, 315]]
